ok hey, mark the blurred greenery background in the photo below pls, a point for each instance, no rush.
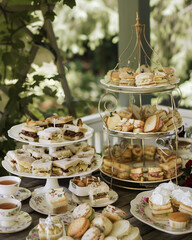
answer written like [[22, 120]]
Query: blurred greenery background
[[87, 36]]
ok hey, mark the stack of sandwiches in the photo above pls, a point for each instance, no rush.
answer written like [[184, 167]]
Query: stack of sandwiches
[[170, 163], [136, 174], [53, 129], [75, 158], [169, 197], [149, 152], [57, 201]]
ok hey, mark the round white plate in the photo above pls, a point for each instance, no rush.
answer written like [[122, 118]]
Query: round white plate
[[39, 204], [113, 197], [140, 89], [22, 194], [23, 221], [141, 210], [10, 169], [15, 130], [34, 235]]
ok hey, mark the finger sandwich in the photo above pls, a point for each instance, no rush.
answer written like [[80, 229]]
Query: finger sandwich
[[58, 121], [24, 164], [13, 155], [41, 167], [75, 147], [73, 132], [30, 133], [67, 166], [65, 153], [98, 193], [57, 200], [50, 135]]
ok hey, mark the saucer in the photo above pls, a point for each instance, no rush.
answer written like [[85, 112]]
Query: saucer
[[39, 204], [65, 217], [23, 221], [22, 194], [113, 197]]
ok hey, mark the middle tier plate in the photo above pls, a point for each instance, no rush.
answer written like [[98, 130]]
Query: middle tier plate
[[10, 169], [130, 135]]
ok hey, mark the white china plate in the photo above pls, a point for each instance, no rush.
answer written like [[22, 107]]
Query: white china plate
[[15, 130], [22, 194], [23, 221], [140, 182], [39, 204], [113, 197], [34, 235], [10, 169], [140, 209], [141, 89]]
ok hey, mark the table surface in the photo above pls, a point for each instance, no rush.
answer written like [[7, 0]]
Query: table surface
[[125, 197]]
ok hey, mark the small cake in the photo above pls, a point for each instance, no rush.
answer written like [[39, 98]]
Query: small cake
[[78, 227], [98, 193], [57, 200], [50, 228], [178, 220], [84, 210], [113, 213]]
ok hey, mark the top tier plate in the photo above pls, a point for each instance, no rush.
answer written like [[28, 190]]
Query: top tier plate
[[141, 89], [15, 130]]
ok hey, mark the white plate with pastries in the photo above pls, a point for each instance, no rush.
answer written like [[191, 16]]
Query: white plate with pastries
[[141, 210], [113, 197], [39, 203], [138, 89], [14, 131]]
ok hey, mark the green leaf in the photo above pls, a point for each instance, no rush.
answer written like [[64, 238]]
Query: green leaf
[[18, 44], [7, 58], [70, 3], [38, 78], [50, 15]]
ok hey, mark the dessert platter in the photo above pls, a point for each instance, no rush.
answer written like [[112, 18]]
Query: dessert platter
[[156, 206], [126, 165], [111, 224]]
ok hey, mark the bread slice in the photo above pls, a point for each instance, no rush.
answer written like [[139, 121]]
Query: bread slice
[[121, 228], [151, 124]]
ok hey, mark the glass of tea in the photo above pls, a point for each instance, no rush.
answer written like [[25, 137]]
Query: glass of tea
[[9, 185], [9, 210]]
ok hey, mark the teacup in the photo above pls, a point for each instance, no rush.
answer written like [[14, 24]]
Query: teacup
[[9, 185], [9, 210]]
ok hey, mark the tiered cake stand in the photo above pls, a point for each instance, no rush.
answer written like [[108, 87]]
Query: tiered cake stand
[[51, 181]]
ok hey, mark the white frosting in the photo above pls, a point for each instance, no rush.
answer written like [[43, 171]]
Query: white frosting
[[169, 186], [159, 199], [82, 210], [187, 198], [178, 194]]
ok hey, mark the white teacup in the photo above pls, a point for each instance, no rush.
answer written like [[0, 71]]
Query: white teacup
[[9, 210], [9, 185]]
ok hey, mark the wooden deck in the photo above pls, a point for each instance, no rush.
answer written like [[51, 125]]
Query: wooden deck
[[125, 196]]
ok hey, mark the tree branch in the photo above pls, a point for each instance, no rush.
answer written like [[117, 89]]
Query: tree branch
[[60, 67]]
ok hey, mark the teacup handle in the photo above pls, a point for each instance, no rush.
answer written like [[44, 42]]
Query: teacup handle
[[9, 196]]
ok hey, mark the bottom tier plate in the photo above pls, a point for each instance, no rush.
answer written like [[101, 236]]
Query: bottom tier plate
[[134, 185], [141, 210]]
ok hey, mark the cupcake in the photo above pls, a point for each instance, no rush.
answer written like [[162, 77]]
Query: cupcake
[[178, 220]]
